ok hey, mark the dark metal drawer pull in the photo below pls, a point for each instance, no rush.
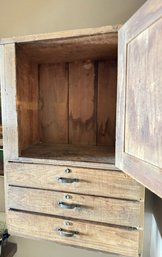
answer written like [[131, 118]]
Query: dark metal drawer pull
[[67, 180], [68, 206], [67, 233]]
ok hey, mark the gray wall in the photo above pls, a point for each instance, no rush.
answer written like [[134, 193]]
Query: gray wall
[[21, 17]]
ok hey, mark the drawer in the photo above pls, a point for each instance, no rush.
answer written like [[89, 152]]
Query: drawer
[[93, 208], [83, 234], [77, 180]]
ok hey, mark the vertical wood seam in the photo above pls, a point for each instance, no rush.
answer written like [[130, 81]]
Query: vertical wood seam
[[96, 97], [39, 105], [68, 102]]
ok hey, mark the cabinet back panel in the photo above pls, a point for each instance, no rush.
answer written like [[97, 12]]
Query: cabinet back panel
[[106, 102], [82, 103], [78, 102], [53, 97], [27, 101]]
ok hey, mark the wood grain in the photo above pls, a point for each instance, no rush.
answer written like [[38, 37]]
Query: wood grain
[[106, 210], [104, 238], [66, 46], [149, 13], [106, 102], [82, 118], [27, 101], [143, 125], [93, 181], [8, 94], [86, 32], [71, 50], [71, 153], [139, 145], [53, 113], [120, 110]]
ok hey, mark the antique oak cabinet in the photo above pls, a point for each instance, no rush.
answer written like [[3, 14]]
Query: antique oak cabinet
[[64, 162]]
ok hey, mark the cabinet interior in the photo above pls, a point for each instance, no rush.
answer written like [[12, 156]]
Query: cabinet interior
[[66, 98]]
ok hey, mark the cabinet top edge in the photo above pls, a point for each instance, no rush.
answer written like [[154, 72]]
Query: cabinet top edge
[[62, 34]]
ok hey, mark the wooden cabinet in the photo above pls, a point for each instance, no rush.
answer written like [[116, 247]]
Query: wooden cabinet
[[59, 114]]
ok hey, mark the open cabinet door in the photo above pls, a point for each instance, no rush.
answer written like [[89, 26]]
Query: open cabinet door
[[139, 103]]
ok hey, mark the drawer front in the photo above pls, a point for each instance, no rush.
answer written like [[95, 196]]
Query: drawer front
[[71, 232], [106, 210], [78, 180]]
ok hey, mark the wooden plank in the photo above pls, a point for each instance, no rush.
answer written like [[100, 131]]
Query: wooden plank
[[93, 181], [119, 147], [82, 104], [27, 101], [100, 47], [106, 102], [9, 249], [99, 209], [139, 133], [90, 235], [8, 97], [69, 45], [53, 103], [90, 165], [144, 78], [63, 34], [71, 153], [149, 13], [8, 93]]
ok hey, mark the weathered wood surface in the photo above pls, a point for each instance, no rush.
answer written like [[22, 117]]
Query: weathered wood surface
[[106, 102], [91, 181], [99, 209], [71, 153], [77, 103], [26, 101], [8, 95], [63, 34], [82, 103], [83, 44], [139, 124], [53, 95], [104, 238], [143, 124]]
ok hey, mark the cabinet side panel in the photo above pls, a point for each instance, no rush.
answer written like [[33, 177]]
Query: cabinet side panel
[[54, 103], [8, 92], [106, 103], [82, 103], [27, 101]]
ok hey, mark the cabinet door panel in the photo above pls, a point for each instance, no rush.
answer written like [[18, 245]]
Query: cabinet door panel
[[139, 123]]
